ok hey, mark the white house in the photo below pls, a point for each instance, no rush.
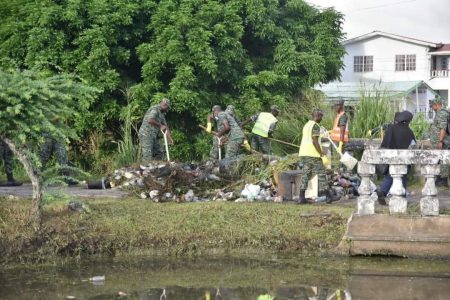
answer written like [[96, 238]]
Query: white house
[[398, 61]]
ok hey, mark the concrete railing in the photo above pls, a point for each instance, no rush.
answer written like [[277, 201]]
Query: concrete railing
[[398, 161]]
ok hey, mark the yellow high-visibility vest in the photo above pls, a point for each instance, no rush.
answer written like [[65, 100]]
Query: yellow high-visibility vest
[[262, 124], [307, 147]]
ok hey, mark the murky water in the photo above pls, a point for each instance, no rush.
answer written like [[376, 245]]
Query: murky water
[[287, 277]]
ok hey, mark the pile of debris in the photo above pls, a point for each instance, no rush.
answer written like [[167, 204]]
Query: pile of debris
[[219, 181], [188, 182]]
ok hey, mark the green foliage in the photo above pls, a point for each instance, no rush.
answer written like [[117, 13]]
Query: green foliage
[[419, 125], [31, 104], [197, 53], [294, 117], [127, 148], [374, 109]]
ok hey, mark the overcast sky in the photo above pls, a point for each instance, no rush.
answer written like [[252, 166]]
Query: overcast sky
[[427, 20]]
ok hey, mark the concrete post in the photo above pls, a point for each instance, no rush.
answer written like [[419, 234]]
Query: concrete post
[[366, 203], [429, 203], [397, 203]]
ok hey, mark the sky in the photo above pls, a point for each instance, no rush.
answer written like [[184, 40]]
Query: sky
[[427, 20]]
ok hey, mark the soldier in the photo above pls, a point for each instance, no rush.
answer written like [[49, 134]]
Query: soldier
[[231, 110], [227, 125], [57, 147], [6, 155], [265, 124], [438, 135], [313, 158], [153, 124], [212, 126], [339, 133]]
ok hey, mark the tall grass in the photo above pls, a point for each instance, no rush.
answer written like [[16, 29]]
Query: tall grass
[[374, 109], [294, 117], [128, 150], [419, 125]]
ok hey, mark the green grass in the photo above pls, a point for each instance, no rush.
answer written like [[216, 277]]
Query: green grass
[[123, 226]]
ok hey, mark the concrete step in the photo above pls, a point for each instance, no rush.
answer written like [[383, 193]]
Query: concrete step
[[397, 235]]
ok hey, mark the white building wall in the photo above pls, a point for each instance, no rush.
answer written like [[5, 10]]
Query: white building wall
[[383, 50]]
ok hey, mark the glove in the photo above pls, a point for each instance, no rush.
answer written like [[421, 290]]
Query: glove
[[341, 144], [208, 127], [247, 145], [325, 161]]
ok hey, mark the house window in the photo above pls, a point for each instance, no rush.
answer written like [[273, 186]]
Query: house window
[[362, 64], [405, 62], [444, 65]]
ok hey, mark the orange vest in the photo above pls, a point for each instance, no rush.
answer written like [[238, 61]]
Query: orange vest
[[336, 133]]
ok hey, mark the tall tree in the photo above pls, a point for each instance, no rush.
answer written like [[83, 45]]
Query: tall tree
[[28, 103]]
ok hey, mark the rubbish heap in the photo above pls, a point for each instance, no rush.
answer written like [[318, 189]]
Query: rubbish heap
[[241, 180]]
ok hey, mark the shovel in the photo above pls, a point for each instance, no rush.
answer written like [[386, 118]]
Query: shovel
[[346, 159], [166, 144]]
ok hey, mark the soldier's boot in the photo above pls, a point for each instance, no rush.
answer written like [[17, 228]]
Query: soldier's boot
[[11, 181], [302, 198]]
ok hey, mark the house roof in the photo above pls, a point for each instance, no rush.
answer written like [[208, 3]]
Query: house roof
[[443, 47], [391, 36], [351, 91]]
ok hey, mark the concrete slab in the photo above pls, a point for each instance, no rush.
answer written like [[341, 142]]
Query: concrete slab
[[79, 191], [407, 236]]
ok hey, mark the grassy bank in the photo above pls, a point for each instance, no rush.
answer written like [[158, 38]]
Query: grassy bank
[[120, 227]]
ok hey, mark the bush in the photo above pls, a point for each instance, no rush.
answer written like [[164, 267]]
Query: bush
[[374, 109]]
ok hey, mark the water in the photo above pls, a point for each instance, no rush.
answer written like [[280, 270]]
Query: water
[[285, 277]]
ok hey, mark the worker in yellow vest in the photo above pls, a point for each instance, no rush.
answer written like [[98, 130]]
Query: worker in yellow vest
[[265, 124], [313, 158], [339, 133]]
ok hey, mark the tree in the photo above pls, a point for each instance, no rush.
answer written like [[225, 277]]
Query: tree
[[250, 53], [28, 103]]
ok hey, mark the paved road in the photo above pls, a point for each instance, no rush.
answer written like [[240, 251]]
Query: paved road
[[79, 191]]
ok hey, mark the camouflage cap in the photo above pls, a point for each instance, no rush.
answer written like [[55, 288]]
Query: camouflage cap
[[230, 109], [215, 107], [165, 101], [317, 111], [436, 100], [275, 108]]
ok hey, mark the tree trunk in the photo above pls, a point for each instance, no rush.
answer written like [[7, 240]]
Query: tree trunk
[[35, 181]]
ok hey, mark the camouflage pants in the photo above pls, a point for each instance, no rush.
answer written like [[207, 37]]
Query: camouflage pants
[[260, 144], [151, 148], [51, 146], [7, 156], [313, 166], [214, 153], [233, 147]]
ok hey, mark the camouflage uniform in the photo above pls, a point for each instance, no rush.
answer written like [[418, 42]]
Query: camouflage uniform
[[7, 156], [440, 122], [314, 166], [259, 143], [150, 135], [235, 135], [232, 111], [50, 146]]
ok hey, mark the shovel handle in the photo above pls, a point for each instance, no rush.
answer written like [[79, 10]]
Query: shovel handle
[[166, 144]]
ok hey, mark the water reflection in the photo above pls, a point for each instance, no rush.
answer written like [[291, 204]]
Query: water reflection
[[244, 278]]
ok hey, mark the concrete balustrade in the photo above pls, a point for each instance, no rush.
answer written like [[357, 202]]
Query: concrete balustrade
[[398, 160]]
